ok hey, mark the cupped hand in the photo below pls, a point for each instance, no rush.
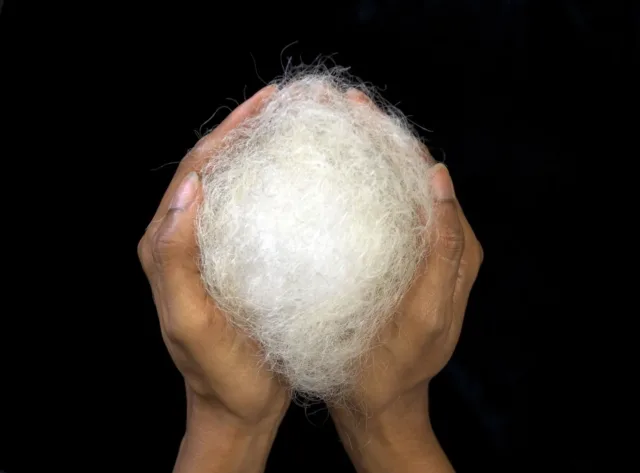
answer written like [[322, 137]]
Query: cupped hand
[[419, 342], [221, 366]]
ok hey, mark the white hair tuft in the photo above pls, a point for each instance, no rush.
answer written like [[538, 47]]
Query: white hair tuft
[[312, 226]]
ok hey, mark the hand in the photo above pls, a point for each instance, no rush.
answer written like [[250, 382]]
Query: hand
[[421, 340], [220, 365], [385, 423]]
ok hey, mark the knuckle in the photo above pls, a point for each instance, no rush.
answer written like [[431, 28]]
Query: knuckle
[[141, 249], [475, 261], [162, 249], [477, 252], [480, 253], [436, 321], [451, 239], [175, 334], [143, 252], [182, 330], [160, 254]]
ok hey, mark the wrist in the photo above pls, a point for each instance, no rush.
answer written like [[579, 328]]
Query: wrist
[[397, 437], [203, 415], [216, 442], [409, 410]]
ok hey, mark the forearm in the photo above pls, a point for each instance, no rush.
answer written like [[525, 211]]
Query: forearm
[[213, 444], [398, 440]]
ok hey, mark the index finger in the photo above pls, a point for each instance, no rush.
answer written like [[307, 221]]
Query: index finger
[[195, 159]]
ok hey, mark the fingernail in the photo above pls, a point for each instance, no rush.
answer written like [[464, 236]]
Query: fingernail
[[357, 95], [186, 192], [441, 182]]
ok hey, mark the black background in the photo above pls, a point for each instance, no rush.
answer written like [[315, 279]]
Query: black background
[[111, 95]]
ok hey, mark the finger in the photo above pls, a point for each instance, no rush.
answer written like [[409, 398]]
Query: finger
[[470, 263], [190, 315], [195, 159], [172, 268], [448, 240], [472, 256], [434, 288], [174, 247], [359, 96]]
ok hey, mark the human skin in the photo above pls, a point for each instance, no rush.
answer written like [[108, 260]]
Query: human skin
[[235, 406], [386, 425]]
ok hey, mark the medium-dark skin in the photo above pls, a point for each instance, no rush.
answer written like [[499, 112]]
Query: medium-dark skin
[[235, 406]]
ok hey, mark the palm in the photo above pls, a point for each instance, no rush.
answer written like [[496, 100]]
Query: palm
[[218, 362], [412, 349]]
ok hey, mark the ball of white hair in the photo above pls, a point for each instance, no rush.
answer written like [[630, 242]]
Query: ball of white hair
[[313, 225]]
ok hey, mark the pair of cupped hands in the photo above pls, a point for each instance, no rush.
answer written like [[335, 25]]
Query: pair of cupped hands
[[235, 406]]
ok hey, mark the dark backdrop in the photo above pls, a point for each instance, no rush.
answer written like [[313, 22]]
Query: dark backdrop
[[507, 90]]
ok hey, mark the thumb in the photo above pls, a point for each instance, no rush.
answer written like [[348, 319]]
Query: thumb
[[174, 244], [448, 234]]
